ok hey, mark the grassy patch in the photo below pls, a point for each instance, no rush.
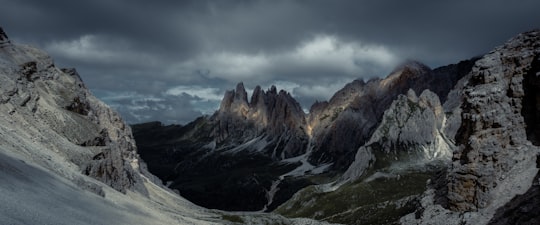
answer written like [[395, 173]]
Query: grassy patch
[[233, 218], [380, 201]]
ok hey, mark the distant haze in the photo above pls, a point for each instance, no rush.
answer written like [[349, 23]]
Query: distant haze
[[172, 60]]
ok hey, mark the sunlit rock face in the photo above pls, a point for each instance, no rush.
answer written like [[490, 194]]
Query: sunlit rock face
[[411, 132], [276, 116], [346, 122], [268, 133]]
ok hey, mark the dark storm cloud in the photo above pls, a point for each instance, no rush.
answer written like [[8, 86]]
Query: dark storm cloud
[[172, 60]]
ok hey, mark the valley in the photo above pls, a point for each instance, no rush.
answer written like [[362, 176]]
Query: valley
[[456, 144]]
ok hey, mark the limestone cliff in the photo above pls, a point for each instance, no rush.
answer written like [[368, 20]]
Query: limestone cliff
[[62, 112], [340, 126], [237, 150], [410, 133], [276, 116], [497, 143], [269, 135]]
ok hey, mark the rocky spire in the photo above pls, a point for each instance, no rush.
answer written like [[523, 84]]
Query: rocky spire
[[276, 114], [258, 93], [241, 93]]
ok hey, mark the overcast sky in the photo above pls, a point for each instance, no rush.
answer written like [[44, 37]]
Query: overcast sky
[[172, 60]]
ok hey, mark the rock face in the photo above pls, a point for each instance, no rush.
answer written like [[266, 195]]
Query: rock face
[[275, 115], [411, 131], [340, 126], [269, 135], [4, 40], [496, 158], [492, 136], [236, 151], [34, 91]]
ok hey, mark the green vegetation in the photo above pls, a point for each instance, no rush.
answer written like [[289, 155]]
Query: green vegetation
[[324, 117], [337, 111], [381, 201], [233, 218]]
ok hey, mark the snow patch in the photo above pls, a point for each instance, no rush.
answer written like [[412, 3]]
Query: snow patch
[[305, 167], [256, 145], [211, 146]]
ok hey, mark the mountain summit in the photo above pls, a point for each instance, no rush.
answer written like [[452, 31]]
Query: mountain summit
[[273, 116]]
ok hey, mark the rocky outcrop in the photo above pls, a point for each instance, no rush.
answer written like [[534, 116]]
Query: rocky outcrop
[[492, 137], [340, 126], [276, 116], [4, 40], [238, 150], [496, 156], [61, 110], [411, 132]]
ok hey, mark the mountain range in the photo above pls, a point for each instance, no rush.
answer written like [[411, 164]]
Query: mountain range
[[414, 126], [269, 145], [456, 144]]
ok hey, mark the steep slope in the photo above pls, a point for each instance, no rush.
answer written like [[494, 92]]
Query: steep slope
[[340, 126], [487, 134], [53, 134], [496, 159], [267, 148], [389, 171], [275, 117], [37, 94], [410, 134], [237, 151], [67, 158]]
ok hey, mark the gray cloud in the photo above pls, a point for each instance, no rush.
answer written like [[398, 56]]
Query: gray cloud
[[172, 60]]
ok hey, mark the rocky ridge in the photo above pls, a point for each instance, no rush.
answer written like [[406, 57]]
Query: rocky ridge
[[487, 131], [37, 92], [237, 150], [272, 137], [411, 132], [275, 115], [355, 111], [4, 40], [497, 151]]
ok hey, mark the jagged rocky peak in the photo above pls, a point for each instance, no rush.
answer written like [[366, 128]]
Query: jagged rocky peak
[[276, 115], [410, 132], [355, 111], [3, 38], [260, 100], [235, 100], [413, 66], [240, 94], [406, 71], [257, 97]]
